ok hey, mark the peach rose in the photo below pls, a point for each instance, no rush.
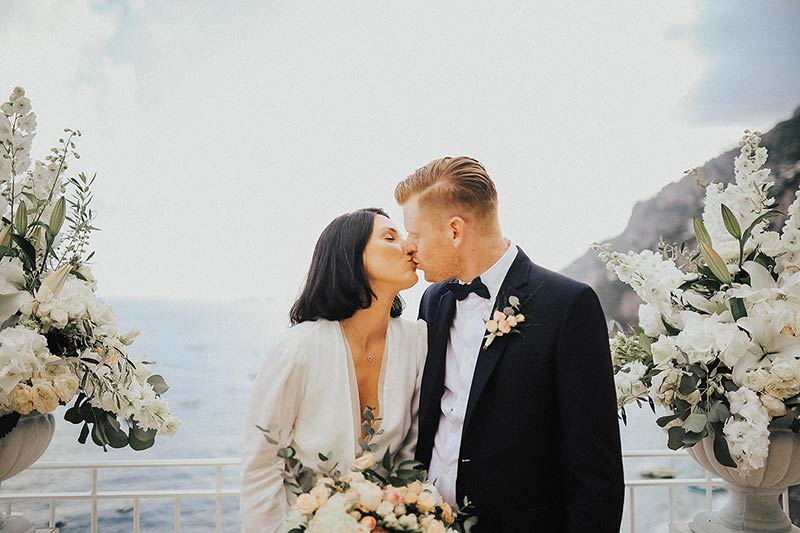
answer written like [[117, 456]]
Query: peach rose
[[45, 399], [498, 316], [369, 522], [491, 326], [447, 513], [306, 504], [394, 495], [23, 398], [426, 502], [321, 494], [504, 326]]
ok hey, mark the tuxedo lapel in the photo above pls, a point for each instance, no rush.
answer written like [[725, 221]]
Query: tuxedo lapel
[[514, 284], [435, 364]]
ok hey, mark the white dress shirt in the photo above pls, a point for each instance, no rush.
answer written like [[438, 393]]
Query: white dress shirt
[[307, 388], [466, 339]]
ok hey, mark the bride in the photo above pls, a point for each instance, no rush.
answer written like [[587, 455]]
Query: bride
[[346, 350]]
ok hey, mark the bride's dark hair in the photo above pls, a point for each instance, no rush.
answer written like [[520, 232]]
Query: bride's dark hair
[[337, 284]]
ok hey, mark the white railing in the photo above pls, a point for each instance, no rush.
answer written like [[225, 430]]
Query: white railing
[[96, 494]]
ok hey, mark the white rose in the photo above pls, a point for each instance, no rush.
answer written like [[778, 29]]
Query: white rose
[[369, 496], [385, 508], [774, 406], [66, 385], [664, 351], [697, 338], [408, 521], [365, 461], [650, 321], [755, 380], [59, 318]]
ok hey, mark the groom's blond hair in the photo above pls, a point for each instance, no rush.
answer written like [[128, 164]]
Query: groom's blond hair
[[451, 183]]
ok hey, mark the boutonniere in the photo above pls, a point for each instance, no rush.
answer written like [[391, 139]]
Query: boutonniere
[[505, 320]]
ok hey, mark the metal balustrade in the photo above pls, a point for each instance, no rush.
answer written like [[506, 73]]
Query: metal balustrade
[[95, 494]]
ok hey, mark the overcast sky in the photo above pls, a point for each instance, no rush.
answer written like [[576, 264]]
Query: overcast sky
[[226, 135]]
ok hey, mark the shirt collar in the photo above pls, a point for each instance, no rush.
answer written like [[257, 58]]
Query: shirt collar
[[495, 274]]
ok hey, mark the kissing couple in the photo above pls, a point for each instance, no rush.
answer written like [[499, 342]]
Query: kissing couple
[[514, 409]]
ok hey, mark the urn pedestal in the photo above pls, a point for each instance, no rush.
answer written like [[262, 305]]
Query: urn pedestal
[[20, 449], [753, 505]]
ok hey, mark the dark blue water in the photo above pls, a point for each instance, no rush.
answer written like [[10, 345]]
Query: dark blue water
[[209, 354]]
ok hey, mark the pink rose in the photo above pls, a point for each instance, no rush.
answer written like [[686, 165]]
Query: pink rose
[[504, 327]]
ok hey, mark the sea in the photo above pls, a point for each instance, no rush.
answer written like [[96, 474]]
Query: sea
[[209, 353]]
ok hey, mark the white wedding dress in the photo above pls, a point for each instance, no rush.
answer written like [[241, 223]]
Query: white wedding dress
[[307, 388]]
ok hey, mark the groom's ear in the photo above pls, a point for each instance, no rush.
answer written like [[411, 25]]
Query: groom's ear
[[457, 230]]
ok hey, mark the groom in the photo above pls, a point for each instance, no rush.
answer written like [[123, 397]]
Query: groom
[[525, 427]]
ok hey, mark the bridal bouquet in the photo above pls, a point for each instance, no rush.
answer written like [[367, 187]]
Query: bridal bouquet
[[371, 496], [58, 341], [718, 341]]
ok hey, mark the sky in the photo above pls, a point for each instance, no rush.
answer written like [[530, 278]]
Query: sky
[[225, 136]]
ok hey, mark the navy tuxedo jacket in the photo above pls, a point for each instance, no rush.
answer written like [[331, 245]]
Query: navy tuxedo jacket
[[540, 449]]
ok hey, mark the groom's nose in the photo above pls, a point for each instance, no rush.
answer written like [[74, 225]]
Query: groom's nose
[[410, 246]]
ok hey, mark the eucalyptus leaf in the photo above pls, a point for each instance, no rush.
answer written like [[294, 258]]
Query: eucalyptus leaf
[[696, 423], [675, 439], [159, 385], [722, 452]]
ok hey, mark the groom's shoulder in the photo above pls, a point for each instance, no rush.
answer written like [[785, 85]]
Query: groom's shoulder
[[432, 295], [555, 285]]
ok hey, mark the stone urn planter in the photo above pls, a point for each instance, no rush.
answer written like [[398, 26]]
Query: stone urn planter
[[20, 449], [753, 505]]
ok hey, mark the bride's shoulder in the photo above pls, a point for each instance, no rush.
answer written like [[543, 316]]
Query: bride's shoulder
[[299, 336], [410, 329]]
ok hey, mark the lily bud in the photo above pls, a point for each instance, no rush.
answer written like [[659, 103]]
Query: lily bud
[[21, 219], [52, 285], [57, 216], [127, 338], [5, 236]]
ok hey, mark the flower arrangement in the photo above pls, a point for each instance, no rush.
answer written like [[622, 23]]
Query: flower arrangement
[[718, 340], [58, 340], [371, 496]]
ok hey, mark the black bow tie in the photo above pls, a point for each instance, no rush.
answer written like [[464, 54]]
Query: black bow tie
[[462, 290]]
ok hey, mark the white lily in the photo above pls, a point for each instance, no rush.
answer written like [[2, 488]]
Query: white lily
[[768, 345], [763, 287]]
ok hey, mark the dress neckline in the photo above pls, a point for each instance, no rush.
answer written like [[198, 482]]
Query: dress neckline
[[355, 402]]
